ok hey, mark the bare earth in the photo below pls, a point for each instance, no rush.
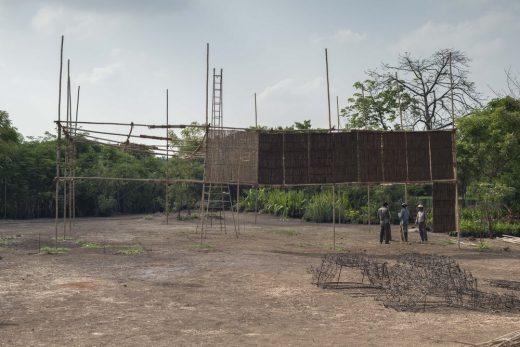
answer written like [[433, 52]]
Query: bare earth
[[254, 290]]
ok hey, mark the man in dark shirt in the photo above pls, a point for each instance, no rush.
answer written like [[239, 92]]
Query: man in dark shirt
[[384, 220]]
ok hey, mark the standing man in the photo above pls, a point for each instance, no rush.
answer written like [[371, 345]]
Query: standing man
[[404, 218], [421, 221], [384, 220]]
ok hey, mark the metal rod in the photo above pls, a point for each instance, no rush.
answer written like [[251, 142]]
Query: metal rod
[[58, 154], [328, 89]]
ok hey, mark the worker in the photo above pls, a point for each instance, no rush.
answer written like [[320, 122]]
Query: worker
[[404, 218], [383, 213], [420, 220]]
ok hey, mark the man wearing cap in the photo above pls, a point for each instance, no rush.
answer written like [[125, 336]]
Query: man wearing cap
[[421, 221], [404, 218], [384, 219]]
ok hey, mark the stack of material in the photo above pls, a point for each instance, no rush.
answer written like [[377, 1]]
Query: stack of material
[[394, 157], [444, 207], [321, 159], [442, 156], [345, 157], [296, 156], [270, 158], [418, 152], [370, 156]]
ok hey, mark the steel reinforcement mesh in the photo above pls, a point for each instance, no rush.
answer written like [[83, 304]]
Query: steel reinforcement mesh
[[298, 158], [444, 207]]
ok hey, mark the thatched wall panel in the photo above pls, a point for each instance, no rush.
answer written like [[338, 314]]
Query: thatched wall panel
[[345, 157], [442, 155], [270, 158], [444, 207], [394, 156], [418, 152], [321, 158], [370, 156]]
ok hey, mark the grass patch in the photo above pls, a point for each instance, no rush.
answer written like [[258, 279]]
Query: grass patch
[[285, 232], [130, 250], [202, 246], [5, 242], [330, 247], [447, 242], [52, 250], [148, 217], [482, 246], [88, 244]]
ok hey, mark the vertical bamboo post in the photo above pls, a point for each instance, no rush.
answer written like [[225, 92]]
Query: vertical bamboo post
[[330, 130], [337, 110], [207, 83], [202, 213], [401, 122], [368, 209], [454, 152], [256, 114], [75, 160], [167, 169], [69, 150], [58, 154], [66, 154], [5, 197]]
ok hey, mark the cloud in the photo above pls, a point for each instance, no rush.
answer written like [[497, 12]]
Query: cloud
[[342, 36], [52, 20], [347, 35], [479, 36], [99, 74], [291, 100]]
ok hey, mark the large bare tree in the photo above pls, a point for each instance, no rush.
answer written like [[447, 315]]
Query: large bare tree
[[428, 81]]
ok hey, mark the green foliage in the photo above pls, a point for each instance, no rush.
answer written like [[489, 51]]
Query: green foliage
[[130, 250], [88, 244], [483, 245], [202, 246], [54, 250], [375, 105], [489, 197]]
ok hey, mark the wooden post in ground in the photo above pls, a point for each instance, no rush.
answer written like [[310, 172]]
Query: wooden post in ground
[[71, 159], [167, 169], [75, 160], [58, 154], [454, 152], [334, 215]]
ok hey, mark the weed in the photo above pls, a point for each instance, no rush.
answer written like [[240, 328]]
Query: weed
[[482, 246], [202, 245], [330, 247], [53, 250], [148, 217], [130, 250], [285, 232]]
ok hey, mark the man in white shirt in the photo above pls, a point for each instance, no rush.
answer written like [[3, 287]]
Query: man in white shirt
[[421, 221]]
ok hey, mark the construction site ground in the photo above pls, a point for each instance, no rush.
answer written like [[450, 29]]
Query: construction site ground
[[135, 281]]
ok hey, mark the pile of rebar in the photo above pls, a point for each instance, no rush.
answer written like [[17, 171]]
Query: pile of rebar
[[415, 282]]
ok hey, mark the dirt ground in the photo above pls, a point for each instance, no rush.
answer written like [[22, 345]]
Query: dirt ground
[[252, 290]]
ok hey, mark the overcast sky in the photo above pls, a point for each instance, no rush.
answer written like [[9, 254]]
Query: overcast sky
[[125, 53]]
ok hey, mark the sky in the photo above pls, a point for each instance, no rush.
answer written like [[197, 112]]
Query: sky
[[125, 54]]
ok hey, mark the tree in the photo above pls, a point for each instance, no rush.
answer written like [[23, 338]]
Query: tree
[[8, 133], [488, 147], [428, 81], [376, 105], [489, 197]]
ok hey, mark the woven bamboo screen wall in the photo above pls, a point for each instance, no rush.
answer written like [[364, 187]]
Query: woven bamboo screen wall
[[444, 206], [232, 156], [299, 158]]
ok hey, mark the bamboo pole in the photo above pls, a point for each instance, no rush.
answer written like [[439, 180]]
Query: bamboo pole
[[337, 110], [256, 114], [207, 83], [58, 154], [454, 151], [75, 161], [328, 86], [401, 122], [69, 150], [65, 165], [167, 169], [334, 215]]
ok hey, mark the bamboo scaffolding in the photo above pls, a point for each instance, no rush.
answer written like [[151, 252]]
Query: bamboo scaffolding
[[58, 154]]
